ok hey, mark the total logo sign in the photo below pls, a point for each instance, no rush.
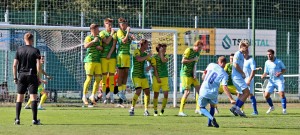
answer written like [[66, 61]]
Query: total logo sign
[[227, 40]]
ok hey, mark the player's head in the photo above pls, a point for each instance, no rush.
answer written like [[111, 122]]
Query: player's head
[[198, 45], [42, 60], [123, 23], [243, 45], [28, 38], [270, 54], [108, 23], [164, 46], [94, 28], [231, 57], [222, 61], [143, 44]]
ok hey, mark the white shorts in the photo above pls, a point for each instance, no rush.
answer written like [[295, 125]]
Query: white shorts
[[240, 84], [203, 101], [279, 85]]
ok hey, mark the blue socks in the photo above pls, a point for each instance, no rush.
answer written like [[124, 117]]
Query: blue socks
[[212, 113], [239, 103], [253, 101], [283, 102], [269, 100]]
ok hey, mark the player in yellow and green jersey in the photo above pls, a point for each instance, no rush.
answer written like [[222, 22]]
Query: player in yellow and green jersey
[[138, 76], [123, 57], [160, 79], [108, 56], [92, 61], [41, 89], [230, 86], [187, 75], [228, 69]]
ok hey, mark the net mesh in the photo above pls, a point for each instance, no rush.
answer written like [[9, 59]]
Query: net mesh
[[64, 55]]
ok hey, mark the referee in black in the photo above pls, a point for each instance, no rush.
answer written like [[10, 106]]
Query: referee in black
[[27, 64]]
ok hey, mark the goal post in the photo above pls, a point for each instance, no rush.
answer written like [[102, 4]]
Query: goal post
[[63, 46]]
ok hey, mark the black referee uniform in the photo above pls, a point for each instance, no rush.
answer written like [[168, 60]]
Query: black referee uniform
[[27, 77]]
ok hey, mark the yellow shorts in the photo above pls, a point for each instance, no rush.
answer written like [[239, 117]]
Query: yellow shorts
[[92, 68], [140, 82], [123, 60], [164, 85], [41, 88], [188, 82], [108, 65], [231, 89]]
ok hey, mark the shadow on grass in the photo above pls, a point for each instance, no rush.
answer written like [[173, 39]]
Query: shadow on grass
[[82, 124], [95, 124], [255, 127]]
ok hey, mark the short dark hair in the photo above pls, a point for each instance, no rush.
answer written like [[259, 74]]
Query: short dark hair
[[122, 20], [143, 41], [232, 54], [271, 51], [158, 46]]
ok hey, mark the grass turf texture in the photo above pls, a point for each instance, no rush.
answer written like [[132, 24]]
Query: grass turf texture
[[103, 120]]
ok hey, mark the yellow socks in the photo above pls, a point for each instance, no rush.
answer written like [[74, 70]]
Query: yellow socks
[[96, 85], [29, 102], [43, 99], [164, 103], [146, 101], [197, 103], [87, 84], [182, 103], [111, 83], [104, 83], [155, 102], [134, 99]]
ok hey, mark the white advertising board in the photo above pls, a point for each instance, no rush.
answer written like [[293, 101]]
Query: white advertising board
[[227, 40]]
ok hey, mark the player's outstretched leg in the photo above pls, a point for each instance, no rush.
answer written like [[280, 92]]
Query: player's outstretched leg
[[211, 120]]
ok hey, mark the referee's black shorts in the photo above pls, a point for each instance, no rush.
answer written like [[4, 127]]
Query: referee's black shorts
[[27, 82]]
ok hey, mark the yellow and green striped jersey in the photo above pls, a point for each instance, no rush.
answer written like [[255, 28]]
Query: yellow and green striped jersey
[[124, 48], [162, 67], [228, 69], [92, 54], [187, 68], [137, 68], [106, 47]]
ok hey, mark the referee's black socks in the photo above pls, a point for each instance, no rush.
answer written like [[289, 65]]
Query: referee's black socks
[[34, 109], [18, 110]]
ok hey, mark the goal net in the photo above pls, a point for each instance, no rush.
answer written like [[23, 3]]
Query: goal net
[[64, 53]]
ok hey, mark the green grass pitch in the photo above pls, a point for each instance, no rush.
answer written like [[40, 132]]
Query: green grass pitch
[[105, 120]]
